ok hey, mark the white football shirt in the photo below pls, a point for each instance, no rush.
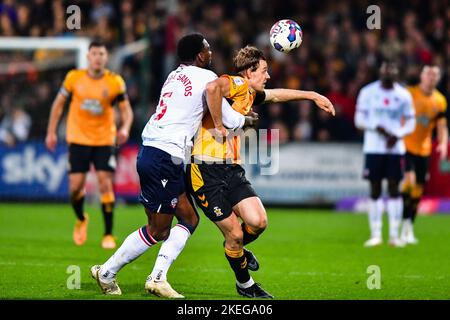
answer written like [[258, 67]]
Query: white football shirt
[[180, 110], [391, 109]]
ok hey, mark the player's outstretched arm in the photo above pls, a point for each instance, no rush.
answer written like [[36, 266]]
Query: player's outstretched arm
[[126, 119], [284, 95], [215, 91], [55, 114]]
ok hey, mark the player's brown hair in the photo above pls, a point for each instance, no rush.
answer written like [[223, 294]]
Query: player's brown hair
[[247, 58], [97, 44]]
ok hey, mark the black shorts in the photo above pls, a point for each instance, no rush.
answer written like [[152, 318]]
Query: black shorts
[[162, 180], [384, 166], [81, 157], [217, 188], [418, 164]]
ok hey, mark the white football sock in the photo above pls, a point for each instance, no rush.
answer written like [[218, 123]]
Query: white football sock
[[395, 211], [245, 285], [376, 217], [411, 229], [406, 227], [169, 251], [409, 232], [133, 247]]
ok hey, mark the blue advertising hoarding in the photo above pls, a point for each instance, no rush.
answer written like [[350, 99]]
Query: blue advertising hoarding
[[30, 171]]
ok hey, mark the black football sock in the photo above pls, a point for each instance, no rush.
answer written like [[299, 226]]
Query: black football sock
[[108, 213], [414, 207], [407, 208], [238, 262], [77, 202], [249, 236]]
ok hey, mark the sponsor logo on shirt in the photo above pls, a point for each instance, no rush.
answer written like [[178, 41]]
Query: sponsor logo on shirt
[[238, 81], [174, 202]]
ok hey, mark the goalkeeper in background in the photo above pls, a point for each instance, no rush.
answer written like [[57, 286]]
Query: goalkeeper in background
[[430, 107], [91, 134]]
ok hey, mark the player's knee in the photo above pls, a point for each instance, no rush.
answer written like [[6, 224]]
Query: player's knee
[[76, 194], [393, 189], [75, 187], [191, 221], [105, 186], [375, 193], [103, 189], [160, 235], [263, 223], [187, 214], [394, 193], [375, 190], [260, 225]]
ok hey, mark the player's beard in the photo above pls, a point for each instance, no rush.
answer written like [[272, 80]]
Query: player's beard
[[387, 82]]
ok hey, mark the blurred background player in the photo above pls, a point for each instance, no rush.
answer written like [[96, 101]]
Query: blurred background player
[[15, 125], [91, 134], [430, 106], [217, 180], [160, 166], [382, 107]]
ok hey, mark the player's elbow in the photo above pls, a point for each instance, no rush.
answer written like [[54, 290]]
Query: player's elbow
[[58, 103], [212, 88], [161, 235]]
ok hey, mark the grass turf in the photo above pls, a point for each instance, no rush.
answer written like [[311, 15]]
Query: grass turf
[[304, 254]]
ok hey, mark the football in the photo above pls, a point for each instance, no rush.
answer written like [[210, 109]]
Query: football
[[286, 35]]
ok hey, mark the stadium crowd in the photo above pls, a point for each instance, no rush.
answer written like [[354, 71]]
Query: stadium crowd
[[339, 54]]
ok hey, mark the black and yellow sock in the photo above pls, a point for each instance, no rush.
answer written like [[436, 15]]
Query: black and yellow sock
[[77, 201], [249, 235], [238, 262], [416, 195], [407, 209], [108, 202], [414, 206]]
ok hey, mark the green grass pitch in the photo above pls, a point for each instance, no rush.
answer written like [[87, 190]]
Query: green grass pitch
[[304, 254]]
